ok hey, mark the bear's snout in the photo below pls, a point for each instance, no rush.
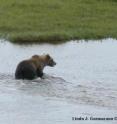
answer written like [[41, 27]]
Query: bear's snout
[[54, 63]]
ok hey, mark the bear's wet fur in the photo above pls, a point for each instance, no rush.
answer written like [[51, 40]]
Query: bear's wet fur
[[33, 67]]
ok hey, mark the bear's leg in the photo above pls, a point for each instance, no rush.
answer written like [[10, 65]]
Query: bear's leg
[[25, 71], [29, 74], [25, 74], [18, 74], [39, 73]]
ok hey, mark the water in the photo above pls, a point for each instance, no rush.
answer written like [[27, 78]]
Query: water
[[83, 83]]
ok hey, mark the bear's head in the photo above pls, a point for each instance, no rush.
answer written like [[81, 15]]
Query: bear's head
[[49, 60], [46, 59]]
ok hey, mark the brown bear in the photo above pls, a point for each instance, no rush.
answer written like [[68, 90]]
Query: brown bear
[[33, 67]]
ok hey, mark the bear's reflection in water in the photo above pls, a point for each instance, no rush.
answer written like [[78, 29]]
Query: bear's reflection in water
[[48, 86]]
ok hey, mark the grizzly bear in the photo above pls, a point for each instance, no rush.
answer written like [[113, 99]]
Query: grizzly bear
[[33, 67]]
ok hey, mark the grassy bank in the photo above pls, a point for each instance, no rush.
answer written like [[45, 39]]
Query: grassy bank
[[57, 20]]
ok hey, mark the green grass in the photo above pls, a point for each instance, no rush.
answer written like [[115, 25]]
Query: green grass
[[54, 21]]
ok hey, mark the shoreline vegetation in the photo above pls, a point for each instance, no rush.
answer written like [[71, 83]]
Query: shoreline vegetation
[[55, 21]]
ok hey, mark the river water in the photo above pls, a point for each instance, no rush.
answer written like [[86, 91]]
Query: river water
[[82, 84]]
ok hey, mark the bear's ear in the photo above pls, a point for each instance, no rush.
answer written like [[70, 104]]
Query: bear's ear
[[35, 56], [48, 56]]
